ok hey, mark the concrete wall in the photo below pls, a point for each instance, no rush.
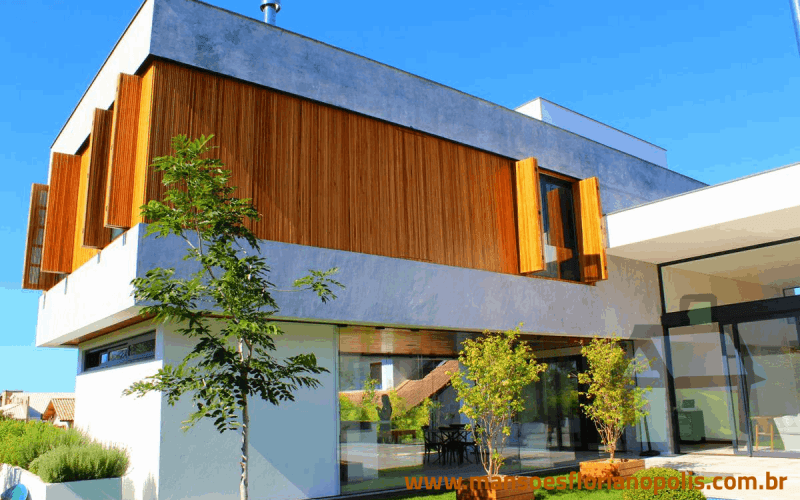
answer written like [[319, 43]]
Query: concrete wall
[[404, 293], [293, 447], [213, 39], [134, 423]]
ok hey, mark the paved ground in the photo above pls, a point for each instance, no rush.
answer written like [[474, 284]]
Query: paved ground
[[716, 465]]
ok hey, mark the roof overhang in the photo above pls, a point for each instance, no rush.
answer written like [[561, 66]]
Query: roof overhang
[[759, 209]]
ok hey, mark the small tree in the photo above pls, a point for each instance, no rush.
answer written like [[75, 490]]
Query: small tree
[[225, 305], [614, 399], [498, 367]]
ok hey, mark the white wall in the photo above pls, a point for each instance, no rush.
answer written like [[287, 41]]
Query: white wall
[[552, 113], [107, 416], [95, 296], [293, 447]]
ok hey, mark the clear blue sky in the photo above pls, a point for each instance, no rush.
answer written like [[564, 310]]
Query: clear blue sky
[[717, 85]]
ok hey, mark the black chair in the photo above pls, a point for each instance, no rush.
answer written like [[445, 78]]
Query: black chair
[[453, 444], [432, 443]]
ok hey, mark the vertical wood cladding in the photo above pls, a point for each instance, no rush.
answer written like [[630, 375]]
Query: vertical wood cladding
[[329, 178], [594, 266], [32, 277], [59, 234], [80, 253], [95, 234], [529, 216], [143, 158], [122, 159]]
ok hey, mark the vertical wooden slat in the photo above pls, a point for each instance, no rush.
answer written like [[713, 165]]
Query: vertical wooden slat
[[32, 276], [591, 245], [122, 159], [529, 217], [95, 233], [143, 139], [80, 253], [59, 234]]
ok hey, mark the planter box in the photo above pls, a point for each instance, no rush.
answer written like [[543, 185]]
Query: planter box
[[97, 489], [509, 492], [603, 469]]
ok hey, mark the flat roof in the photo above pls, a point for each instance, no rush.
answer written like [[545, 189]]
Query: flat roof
[[753, 210]]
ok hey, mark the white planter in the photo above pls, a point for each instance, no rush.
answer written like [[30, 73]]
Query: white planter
[[97, 489]]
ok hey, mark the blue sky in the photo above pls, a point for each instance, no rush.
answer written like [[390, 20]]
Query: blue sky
[[717, 85]]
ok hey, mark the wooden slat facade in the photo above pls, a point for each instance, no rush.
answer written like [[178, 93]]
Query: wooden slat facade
[[330, 178], [122, 159], [591, 234], [95, 233], [319, 176], [81, 254], [32, 277], [62, 206], [529, 216]]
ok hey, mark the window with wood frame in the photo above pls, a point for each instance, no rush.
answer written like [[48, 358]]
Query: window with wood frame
[[560, 225]]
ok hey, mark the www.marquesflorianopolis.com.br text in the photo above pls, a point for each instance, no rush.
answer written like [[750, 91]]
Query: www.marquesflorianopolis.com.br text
[[574, 481]]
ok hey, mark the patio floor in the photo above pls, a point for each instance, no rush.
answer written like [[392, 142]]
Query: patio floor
[[719, 465]]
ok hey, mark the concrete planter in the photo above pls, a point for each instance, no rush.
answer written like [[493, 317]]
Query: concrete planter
[[603, 469], [511, 491], [97, 489]]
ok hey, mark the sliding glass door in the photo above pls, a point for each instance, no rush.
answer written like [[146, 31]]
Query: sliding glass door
[[737, 387], [769, 359]]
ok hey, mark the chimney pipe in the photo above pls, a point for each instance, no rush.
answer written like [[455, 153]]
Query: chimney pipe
[[270, 8]]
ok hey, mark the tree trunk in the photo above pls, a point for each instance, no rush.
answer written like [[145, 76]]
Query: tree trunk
[[245, 450]]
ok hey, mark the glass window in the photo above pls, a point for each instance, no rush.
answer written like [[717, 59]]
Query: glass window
[[560, 241], [135, 349]]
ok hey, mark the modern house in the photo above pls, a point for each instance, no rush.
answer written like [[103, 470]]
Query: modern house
[[447, 215]]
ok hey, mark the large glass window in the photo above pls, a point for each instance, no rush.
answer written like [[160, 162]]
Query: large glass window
[[399, 415], [560, 240]]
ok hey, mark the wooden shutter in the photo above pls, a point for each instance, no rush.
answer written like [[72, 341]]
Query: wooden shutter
[[591, 234], [95, 234], [529, 217], [122, 160], [62, 205], [32, 277]]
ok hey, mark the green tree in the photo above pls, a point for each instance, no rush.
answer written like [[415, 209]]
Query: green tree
[[498, 367], [226, 305], [614, 400]]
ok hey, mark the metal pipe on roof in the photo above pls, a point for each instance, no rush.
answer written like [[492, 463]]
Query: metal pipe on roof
[[270, 8]]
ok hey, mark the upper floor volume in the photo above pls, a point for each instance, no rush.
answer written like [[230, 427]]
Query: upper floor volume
[[404, 168]]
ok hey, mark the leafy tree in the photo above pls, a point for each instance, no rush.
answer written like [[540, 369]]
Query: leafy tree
[[226, 305], [614, 399], [366, 410], [498, 367], [406, 418]]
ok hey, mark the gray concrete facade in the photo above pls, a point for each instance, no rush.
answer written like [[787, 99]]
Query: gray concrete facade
[[213, 39]]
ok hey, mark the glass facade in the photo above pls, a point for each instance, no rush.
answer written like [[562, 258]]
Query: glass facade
[[398, 413]]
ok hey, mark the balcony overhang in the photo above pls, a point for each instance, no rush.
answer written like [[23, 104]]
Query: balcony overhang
[[755, 210]]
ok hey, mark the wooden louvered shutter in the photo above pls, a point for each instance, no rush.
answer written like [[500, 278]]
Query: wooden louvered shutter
[[591, 234], [32, 277], [62, 204], [122, 159], [95, 234], [529, 217]]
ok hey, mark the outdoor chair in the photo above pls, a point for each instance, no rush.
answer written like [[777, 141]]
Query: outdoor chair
[[432, 443]]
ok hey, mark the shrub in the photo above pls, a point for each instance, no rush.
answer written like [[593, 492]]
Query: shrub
[[21, 442], [79, 463], [661, 472]]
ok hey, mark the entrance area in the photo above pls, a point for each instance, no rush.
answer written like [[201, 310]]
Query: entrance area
[[737, 386]]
